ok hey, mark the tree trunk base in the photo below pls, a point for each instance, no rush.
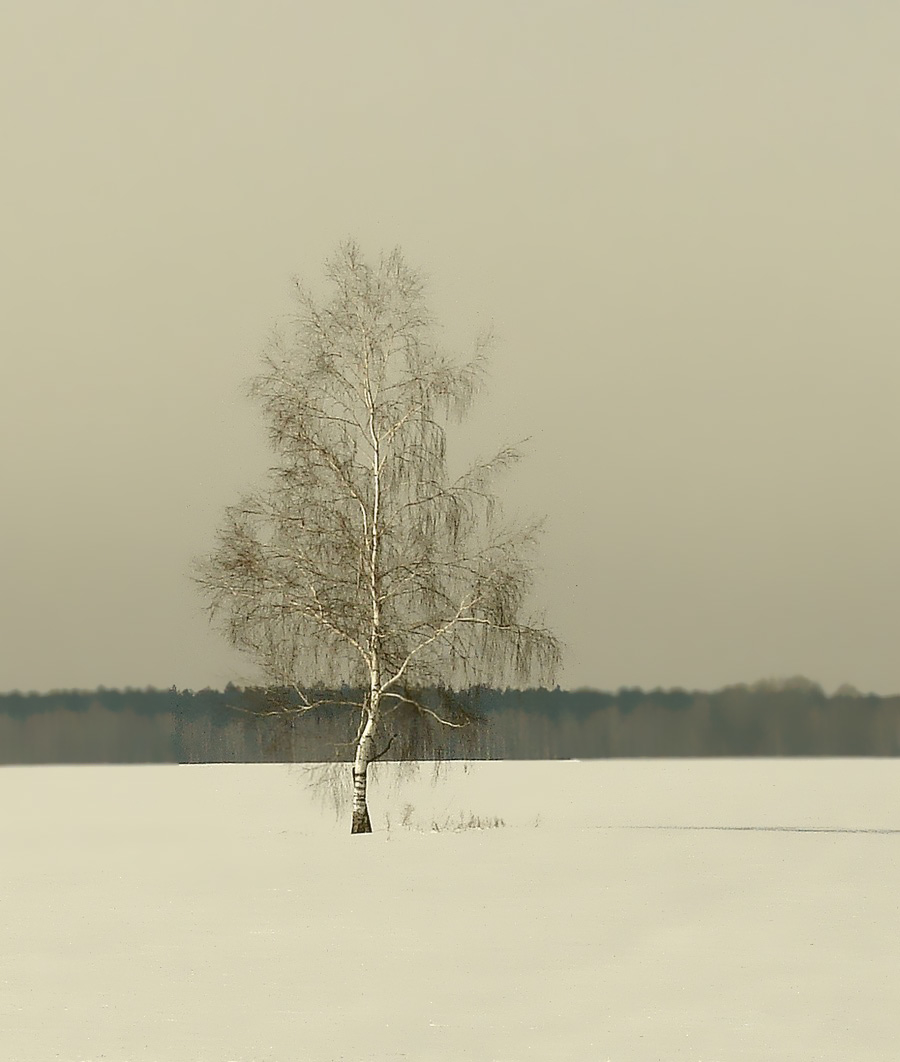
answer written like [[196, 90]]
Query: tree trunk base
[[361, 823]]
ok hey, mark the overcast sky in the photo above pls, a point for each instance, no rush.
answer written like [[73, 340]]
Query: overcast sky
[[682, 220]]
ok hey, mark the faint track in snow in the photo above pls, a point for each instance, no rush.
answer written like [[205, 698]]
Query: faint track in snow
[[765, 829]]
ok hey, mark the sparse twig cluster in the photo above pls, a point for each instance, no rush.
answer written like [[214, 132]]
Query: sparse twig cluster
[[461, 822]]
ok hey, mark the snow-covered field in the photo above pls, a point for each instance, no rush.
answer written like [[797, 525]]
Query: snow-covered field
[[636, 911]]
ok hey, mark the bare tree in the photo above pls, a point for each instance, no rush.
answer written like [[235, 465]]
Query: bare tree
[[364, 565]]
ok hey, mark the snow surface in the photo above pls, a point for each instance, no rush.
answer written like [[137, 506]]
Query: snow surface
[[636, 911]]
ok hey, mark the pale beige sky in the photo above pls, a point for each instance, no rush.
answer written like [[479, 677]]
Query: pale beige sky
[[682, 219]]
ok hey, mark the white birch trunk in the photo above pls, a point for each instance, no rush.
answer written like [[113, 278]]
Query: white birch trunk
[[365, 749], [364, 756]]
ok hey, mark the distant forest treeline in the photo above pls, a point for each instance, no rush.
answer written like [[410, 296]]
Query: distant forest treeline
[[788, 718]]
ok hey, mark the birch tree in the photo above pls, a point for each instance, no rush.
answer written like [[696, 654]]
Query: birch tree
[[363, 564]]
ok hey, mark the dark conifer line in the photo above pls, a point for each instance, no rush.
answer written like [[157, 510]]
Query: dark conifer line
[[254, 725]]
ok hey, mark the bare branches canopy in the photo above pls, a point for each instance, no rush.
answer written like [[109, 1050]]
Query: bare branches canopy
[[362, 564]]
